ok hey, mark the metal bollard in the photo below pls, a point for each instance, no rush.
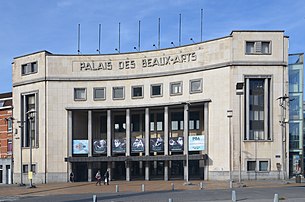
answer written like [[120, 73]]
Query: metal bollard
[[170, 200], [276, 198], [94, 198], [116, 188], [173, 187], [143, 188], [233, 196], [231, 184], [201, 185]]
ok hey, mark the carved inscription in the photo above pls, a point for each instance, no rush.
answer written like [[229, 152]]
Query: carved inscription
[[144, 63]]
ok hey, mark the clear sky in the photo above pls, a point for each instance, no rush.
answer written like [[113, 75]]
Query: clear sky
[[28, 26]]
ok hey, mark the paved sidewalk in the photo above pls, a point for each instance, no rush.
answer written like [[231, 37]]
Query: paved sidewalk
[[133, 186]]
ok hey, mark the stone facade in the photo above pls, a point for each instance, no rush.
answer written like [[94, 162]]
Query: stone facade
[[218, 65]]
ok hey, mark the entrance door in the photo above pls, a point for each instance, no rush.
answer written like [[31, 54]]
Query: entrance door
[[80, 171], [119, 171], [195, 172], [176, 169], [156, 170], [137, 170]]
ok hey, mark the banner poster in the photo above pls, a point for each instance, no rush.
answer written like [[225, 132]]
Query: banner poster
[[156, 144], [196, 143], [175, 144], [137, 145], [100, 146], [80, 147], [119, 146]]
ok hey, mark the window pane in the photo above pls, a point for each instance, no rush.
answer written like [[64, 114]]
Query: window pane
[[196, 86], [176, 88], [249, 47], [263, 166], [265, 47], [251, 165], [155, 90], [99, 93], [79, 93], [137, 91], [118, 92]]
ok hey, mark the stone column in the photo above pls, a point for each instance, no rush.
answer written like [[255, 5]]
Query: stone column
[[166, 142], [89, 171], [185, 137], [147, 142], [109, 138], [90, 133], [127, 152]]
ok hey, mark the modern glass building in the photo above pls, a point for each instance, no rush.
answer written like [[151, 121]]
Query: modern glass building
[[296, 143]]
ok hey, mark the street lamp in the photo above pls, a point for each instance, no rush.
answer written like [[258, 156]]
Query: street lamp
[[21, 141], [239, 92], [31, 117], [230, 115]]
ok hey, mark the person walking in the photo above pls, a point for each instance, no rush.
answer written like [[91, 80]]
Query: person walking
[[98, 178], [71, 177], [106, 176]]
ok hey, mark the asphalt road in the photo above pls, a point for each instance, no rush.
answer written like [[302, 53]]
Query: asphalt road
[[295, 194]]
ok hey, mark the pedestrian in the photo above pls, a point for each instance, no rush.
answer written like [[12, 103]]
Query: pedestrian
[[106, 176], [71, 177], [98, 178]]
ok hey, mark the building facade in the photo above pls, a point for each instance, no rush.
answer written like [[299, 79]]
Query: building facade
[[207, 111], [296, 85], [6, 138]]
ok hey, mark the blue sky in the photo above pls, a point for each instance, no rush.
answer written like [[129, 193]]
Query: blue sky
[[28, 26]]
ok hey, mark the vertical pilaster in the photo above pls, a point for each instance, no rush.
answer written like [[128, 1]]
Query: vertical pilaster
[[109, 139], [186, 139], [127, 143], [90, 133], [147, 142], [166, 142]]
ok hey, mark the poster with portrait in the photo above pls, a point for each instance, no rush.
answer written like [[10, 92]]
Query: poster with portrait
[[156, 144], [80, 147], [100, 146], [119, 145], [175, 144], [196, 143], [137, 145]]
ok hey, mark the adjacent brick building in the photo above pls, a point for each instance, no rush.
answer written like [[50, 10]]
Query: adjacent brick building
[[6, 138]]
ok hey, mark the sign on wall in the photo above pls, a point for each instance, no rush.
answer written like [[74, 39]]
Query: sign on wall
[[80, 147], [119, 146], [137, 145], [175, 144], [196, 143], [100, 146]]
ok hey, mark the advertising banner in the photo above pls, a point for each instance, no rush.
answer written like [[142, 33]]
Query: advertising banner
[[80, 147], [175, 144], [137, 145], [196, 143], [100, 146], [156, 144], [119, 145]]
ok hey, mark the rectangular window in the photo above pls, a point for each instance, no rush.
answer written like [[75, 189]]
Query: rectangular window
[[176, 88], [156, 90], [258, 47], [99, 93], [257, 109], [137, 91], [9, 146], [118, 93], [30, 119], [263, 166], [177, 119], [25, 168], [251, 165], [194, 120], [29, 68], [80, 94], [9, 125], [196, 86]]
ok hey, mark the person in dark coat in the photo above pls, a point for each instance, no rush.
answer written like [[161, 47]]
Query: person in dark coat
[[106, 176]]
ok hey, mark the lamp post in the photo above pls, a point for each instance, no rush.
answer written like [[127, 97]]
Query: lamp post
[[240, 92], [21, 139], [31, 117], [230, 115]]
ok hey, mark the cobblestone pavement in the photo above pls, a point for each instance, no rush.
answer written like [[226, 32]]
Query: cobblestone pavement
[[133, 186]]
